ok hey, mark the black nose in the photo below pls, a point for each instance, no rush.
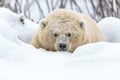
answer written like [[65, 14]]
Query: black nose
[[62, 46]]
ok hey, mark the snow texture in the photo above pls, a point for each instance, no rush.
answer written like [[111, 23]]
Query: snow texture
[[21, 61], [25, 28], [110, 27]]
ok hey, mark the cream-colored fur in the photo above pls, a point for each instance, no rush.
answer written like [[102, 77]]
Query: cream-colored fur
[[83, 29]]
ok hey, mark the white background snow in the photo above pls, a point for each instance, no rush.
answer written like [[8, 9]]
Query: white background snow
[[21, 61], [110, 27]]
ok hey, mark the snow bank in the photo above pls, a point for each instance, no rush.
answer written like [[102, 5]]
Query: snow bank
[[98, 52], [110, 28], [8, 32], [99, 61], [25, 27]]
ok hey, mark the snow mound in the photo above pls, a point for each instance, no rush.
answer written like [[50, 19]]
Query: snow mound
[[8, 32], [25, 27], [110, 28], [98, 61], [101, 52]]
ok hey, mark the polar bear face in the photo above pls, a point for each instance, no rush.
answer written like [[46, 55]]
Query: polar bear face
[[61, 36]]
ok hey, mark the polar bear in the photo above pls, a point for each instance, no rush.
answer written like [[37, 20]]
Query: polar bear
[[65, 30]]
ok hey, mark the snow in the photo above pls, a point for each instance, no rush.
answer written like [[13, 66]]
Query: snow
[[97, 51], [6, 29], [26, 30], [21, 61], [110, 27]]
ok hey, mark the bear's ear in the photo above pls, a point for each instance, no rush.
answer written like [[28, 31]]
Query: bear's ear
[[42, 23], [82, 24]]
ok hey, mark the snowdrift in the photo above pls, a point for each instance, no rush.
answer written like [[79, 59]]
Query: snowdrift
[[110, 28], [25, 27]]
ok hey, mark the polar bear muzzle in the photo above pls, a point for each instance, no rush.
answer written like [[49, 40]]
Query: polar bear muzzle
[[62, 43]]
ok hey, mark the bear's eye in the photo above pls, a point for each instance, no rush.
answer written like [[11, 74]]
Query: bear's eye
[[81, 24], [68, 34], [55, 34]]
